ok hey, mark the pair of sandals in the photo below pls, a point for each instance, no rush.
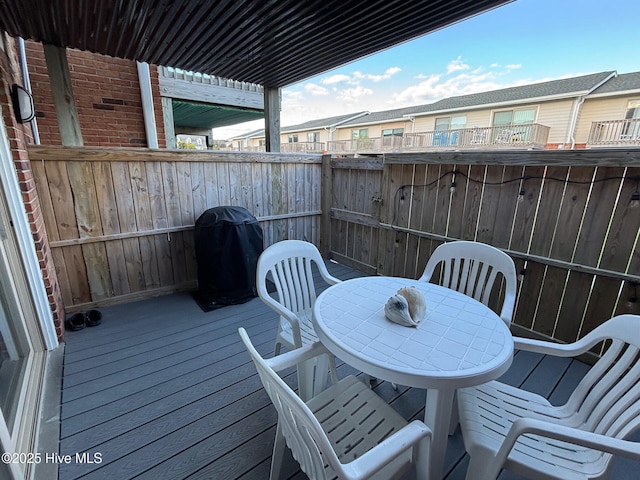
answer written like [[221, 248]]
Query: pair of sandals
[[78, 321]]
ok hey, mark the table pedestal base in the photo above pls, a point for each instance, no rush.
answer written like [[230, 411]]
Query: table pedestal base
[[437, 415]]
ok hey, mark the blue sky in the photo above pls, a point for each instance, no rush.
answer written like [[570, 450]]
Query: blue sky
[[526, 41]]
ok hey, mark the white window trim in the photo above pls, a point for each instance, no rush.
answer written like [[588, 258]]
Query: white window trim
[[9, 184]]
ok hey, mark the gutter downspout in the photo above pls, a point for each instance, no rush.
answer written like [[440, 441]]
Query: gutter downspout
[[412, 119], [576, 109], [574, 120], [144, 77], [26, 83]]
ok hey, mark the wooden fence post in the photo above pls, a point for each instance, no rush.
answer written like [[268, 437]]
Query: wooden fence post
[[326, 197]]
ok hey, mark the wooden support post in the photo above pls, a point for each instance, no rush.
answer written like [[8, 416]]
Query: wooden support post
[[272, 118], [169, 129], [60, 78], [326, 197]]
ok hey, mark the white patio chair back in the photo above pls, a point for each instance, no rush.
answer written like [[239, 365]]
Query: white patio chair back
[[347, 431], [472, 268], [607, 400], [504, 426], [288, 264]]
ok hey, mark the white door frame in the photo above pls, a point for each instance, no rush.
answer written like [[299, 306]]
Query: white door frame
[[10, 186]]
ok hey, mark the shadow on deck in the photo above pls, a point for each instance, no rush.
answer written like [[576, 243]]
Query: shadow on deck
[[162, 390]]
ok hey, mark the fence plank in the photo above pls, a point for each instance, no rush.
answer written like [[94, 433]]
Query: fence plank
[[549, 204], [598, 212], [108, 209], [574, 202], [526, 209], [622, 237], [498, 206]]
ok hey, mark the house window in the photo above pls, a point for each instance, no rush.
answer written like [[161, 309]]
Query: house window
[[293, 138], [393, 132], [313, 137], [360, 139], [451, 123], [392, 137], [514, 117], [361, 133], [631, 128], [506, 122], [442, 136]]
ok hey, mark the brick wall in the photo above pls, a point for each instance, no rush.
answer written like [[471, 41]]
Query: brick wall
[[107, 98], [19, 136], [107, 94]]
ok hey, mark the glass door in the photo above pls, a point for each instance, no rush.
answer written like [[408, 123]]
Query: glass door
[[26, 330], [12, 347]]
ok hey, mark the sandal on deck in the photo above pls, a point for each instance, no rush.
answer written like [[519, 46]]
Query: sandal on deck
[[93, 318], [76, 322]]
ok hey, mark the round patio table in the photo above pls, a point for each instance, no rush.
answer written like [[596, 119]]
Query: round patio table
[[460, 343]]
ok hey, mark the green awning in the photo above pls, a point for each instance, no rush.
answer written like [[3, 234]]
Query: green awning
[[200, 115]]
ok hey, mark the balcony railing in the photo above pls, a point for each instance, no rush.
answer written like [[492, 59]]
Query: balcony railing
[[610, 133], [531, 136], [302, 147]]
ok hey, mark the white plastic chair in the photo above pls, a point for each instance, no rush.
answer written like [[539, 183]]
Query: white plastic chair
[[289, 265], [507, 427], [472, 268], [346, 431]]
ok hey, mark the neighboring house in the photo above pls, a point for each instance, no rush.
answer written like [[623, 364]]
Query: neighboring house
[[311, 136], [600, 109], [610, 116]]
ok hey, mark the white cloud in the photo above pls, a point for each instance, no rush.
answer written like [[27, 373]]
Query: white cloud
[[389, 72], [335, 79], [314, 89], [513, 66], [456, 66], [352, 95], [433, 89]]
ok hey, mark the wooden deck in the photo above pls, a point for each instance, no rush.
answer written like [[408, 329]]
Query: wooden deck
[[163, 390]]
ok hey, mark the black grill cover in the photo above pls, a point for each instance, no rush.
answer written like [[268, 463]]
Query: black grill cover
[[228, 242]]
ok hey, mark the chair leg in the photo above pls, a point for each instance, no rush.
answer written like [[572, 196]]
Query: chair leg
[[279, 448], [333, 372], [455, 416], [321, 369], [481, 468], [306, 379]]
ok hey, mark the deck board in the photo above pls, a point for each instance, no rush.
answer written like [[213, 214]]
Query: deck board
[[164, 390]]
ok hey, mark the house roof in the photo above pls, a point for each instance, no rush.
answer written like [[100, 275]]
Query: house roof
[[273, 43], [310, 125], [327, 122], [626, 82], [398, 114], [567, 87]]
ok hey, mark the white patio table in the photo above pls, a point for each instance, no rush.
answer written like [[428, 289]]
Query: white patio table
[[460, 343]]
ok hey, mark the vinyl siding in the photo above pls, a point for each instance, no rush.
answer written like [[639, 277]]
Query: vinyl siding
[[557, 116], [598, 110]]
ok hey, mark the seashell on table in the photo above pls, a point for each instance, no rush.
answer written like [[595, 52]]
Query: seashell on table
[[407, 307]]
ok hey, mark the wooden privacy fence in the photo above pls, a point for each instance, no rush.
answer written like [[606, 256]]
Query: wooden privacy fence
[[120, 221], [569, 219]]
